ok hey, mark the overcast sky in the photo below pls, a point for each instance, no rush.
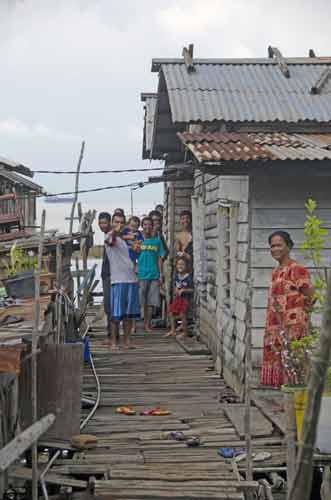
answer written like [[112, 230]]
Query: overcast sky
[[74, 69]]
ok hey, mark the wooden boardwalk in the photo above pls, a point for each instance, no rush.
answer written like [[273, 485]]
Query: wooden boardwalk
[[133, 458]]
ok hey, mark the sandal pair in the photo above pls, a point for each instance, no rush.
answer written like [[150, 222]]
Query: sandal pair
[[125, 410], [155, 412]]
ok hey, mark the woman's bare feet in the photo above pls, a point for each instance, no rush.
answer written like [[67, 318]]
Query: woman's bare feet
[[148, 329], [129, 345], [170, 334]]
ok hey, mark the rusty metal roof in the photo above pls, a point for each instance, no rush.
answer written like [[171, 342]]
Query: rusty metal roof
[[247, 91], [218, 147]]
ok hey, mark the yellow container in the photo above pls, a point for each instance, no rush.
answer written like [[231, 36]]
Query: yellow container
[[300, 403]]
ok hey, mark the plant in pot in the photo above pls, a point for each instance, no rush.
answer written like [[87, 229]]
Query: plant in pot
[[296, 360], [20, 271]]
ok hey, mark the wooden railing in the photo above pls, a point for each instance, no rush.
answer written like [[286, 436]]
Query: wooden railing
[[10, 210]]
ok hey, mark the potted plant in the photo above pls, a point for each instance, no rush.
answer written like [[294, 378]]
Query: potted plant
[[20, 271], [296, 360]]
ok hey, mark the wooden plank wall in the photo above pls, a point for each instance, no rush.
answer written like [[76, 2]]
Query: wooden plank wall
[[279, 204], [205, 234], [177, 197], [232, 313], [222, 322]]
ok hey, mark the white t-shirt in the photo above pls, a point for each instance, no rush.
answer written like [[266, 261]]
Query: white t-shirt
[[122, 269]]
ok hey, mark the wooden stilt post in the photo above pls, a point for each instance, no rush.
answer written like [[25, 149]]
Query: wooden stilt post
[[35, 336], [248, 376], [58, 286], [80, 159], [291, 435], [248, 357]]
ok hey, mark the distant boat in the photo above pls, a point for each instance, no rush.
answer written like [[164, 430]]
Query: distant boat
[[59, 199]]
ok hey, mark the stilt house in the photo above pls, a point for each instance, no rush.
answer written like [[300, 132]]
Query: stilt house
[[256, 136]]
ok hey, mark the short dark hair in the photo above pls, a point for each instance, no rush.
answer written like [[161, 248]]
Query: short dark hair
[[119, 211], [147, 217], [159, 208], [155, 213], [104, 215], [118, 214], [183, 213], [285, 236], [135, 218]]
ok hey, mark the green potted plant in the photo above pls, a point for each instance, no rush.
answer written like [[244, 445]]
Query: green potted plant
[[20, 271], [296, 360]]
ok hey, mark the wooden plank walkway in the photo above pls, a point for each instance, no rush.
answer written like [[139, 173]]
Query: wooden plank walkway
[[133, 458]]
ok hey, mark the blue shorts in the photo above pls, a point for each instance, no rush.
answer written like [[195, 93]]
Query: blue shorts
[[124, 301]]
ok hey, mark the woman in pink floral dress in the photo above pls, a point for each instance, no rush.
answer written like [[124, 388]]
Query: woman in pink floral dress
[[291, 295]]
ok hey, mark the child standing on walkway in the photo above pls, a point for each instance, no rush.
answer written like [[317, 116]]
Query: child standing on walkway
[[132, 236], [183, 288], [150, 271]]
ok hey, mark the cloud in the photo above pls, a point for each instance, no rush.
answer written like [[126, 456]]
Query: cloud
[[14, 128], [74, 69]]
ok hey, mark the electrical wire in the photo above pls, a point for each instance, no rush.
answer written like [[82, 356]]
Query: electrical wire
[[88, 172]]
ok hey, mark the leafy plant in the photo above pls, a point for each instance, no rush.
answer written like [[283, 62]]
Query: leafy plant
[[315, 239], [20, 261]]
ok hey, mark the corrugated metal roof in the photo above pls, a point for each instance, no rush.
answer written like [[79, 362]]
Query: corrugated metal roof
[[246, 92], [150, 100], [216, 147], [19, 179], [14, 165]]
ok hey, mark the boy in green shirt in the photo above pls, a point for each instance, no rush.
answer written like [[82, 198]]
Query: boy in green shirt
[[150, 271]]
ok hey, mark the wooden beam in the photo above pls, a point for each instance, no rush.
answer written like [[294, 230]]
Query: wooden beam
[[275, 53], [23, 441], [319, 84]]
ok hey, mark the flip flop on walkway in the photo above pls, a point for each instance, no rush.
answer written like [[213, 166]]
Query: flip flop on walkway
[[176, 436], [226, 452], [262, 456], [193, 442], [125, 410], [155, 412]]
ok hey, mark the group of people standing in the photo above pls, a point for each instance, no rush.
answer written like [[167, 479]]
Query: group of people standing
[[133, 272]]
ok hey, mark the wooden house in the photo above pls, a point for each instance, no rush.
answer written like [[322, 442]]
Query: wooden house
[[257, 135], [18, 194]]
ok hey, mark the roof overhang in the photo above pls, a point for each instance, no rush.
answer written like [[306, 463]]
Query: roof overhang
[[15, 167], [271, 153]]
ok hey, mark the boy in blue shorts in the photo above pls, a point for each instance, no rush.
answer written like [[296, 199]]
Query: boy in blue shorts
[[150, 271]]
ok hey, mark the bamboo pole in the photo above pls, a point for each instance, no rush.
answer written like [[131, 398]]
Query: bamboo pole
[[34, 357], [301, 486], [58, 286], [80, 159]]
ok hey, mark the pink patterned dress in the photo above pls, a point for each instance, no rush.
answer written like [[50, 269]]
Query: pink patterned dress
[[287, 312]]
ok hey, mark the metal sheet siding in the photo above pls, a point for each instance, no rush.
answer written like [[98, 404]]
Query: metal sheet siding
[[246, 92]]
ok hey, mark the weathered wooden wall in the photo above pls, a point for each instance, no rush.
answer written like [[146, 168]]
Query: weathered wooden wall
[[205, 234], [220, 253], [177, 197], [279, 204]]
